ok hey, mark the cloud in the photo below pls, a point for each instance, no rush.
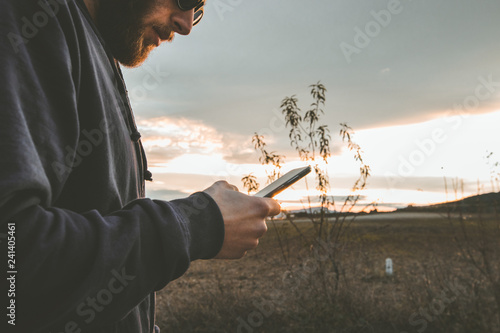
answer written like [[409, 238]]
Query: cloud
[[227, 78], [185, 183], [231, 74], [385, 71], [165, 194], [421, 184], [166, 138], [242, 157]]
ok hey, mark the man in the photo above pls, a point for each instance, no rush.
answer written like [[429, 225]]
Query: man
[[90, 250]]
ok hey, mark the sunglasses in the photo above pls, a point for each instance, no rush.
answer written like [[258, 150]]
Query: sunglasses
[[197, 5]]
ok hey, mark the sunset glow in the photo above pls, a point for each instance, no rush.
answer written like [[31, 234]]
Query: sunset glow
[[424, 109], [411, 170]]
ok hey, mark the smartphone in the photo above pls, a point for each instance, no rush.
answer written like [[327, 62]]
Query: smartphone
[[283, 182]]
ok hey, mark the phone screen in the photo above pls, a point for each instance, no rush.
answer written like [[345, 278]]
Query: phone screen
[[283, 182]]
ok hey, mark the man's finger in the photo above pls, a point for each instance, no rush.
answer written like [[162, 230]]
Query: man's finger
[[220, 184], [274, 207], [225, 184]]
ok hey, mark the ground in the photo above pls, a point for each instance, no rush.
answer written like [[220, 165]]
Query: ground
[[445, 279]]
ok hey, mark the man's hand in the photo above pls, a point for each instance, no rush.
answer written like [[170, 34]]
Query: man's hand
[[244, 218]]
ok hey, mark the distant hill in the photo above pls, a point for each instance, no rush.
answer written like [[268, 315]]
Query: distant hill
[[327, 212], [488, 203], [308, 212]]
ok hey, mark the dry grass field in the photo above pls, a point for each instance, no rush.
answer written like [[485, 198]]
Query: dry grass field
[[446, 277]]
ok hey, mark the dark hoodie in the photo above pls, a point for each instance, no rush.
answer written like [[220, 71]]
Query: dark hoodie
[[90, 250]]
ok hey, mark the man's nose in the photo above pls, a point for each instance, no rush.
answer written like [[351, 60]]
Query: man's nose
[[183, 21]]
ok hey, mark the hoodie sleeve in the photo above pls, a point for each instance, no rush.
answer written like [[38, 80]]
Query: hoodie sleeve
[[78, 270]]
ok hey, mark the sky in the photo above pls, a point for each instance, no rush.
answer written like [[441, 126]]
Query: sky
[[418, 81]]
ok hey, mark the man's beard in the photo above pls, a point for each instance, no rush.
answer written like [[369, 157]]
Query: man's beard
[[120, 24]]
